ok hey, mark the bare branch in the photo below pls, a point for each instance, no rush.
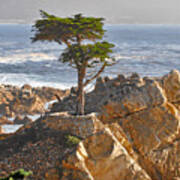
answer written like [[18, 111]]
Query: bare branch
[[96, 75]]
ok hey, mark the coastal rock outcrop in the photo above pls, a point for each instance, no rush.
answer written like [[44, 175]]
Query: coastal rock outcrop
[[107, 89], [40, 145], [153, 130], [102, 157], [134, 135], [143, 115], [26, 100]]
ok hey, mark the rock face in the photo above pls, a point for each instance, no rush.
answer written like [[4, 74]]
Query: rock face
[[153, 127], [102, 157], [4, 120], [20, 120], [26, 100], [81, 126], [41, 145], [143, 116], [109, 89], [1, 130], [134, 135]]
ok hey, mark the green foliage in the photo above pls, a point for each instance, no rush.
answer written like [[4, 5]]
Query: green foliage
[[67, 30], [71, 140], [91, 54], [18, 175]]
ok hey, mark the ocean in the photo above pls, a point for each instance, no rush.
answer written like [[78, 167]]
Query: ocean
[[150, 50]]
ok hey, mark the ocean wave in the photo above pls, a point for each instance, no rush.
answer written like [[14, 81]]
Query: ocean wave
[[118, 57], [11, 128], [6, 43], [33, 83], [19, 58]]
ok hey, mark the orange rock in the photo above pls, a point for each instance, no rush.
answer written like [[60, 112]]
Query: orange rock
[[52, 174], [102, 157], [81, 126]]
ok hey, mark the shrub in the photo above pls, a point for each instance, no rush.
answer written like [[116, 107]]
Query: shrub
[[72, 140], [17, 175]]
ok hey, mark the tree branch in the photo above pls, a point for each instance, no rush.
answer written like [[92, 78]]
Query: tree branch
[[96, 75]]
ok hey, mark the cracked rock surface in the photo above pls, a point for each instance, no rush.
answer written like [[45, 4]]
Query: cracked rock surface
[[134, 134]]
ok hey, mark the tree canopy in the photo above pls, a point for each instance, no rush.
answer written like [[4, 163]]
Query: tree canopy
[[68, 30]]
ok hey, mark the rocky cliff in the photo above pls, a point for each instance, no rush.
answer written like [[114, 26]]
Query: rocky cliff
[[134, 134], [141, 136]]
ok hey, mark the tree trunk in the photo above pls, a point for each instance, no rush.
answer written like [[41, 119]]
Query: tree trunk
[[80, 92]]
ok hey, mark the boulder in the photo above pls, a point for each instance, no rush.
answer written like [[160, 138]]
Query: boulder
[[153, 133], [100, 84], [4, 120], [21, 120], [171, 86], [131, 98], [152, 125], [81, 126], [4, 109], [27, 105], [67, 104], [26, 87], [26, 100], [18, 119], [102, 157], [42, 145], [127, 90], [26, 120]]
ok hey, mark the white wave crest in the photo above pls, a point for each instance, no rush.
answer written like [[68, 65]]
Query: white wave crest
[[19, 58], [21, 79]]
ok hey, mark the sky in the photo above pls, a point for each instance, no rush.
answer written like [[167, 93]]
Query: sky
[[114, 11]]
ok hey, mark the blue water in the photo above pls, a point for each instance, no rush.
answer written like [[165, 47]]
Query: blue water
[[151, 50]]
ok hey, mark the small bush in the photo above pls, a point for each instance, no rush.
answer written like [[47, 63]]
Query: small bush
[[72, 140], [18, 175]]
